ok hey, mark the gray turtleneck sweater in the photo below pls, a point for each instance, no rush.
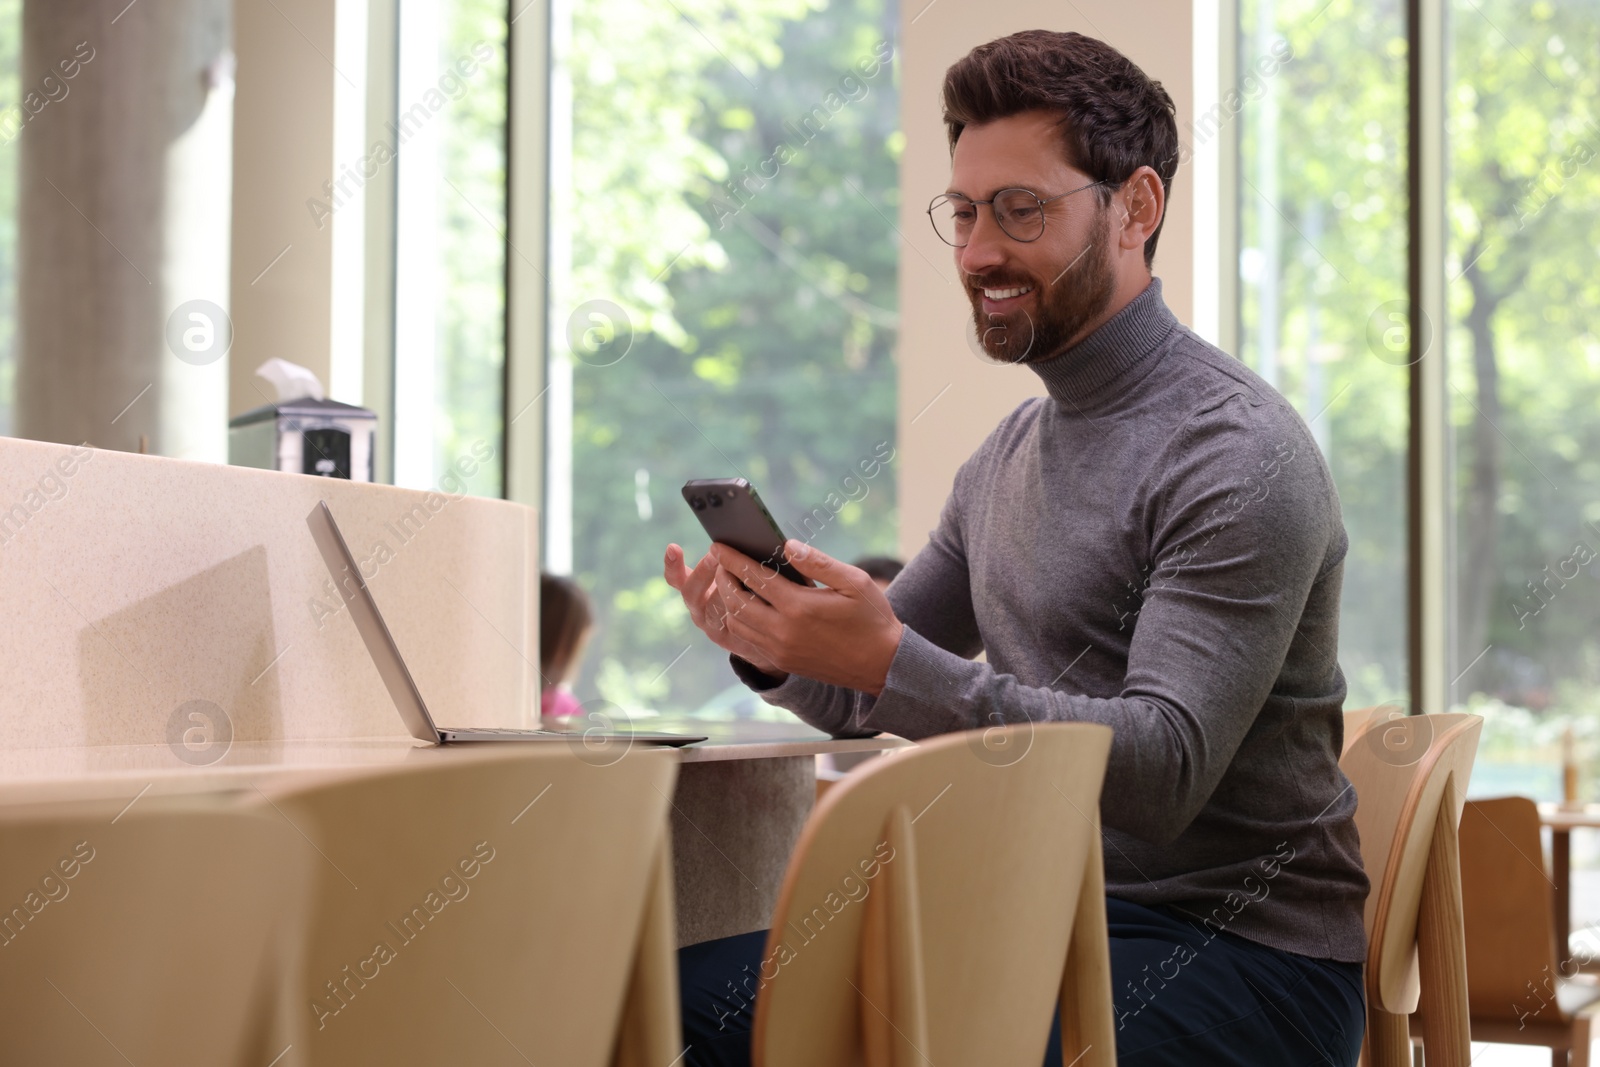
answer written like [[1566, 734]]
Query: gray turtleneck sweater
[[1156, 546]]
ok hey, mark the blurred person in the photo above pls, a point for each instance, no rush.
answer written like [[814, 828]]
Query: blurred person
[[566, 623], [881, 569]]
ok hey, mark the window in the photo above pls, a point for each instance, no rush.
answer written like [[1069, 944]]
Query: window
[[450, 225], [1322, 281], [1323, 315], [10, 129], [1523, 386], [722, 303]]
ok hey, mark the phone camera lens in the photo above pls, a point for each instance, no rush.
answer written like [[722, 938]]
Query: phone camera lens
[[716, 501], [698, 503]]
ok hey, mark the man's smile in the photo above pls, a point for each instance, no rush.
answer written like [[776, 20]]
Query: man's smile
[[998, 300]]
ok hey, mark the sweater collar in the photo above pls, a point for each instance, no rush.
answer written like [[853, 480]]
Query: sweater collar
[[1114, 348]]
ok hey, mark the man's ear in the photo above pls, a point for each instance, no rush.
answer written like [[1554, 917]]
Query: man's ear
[[1142, 202]]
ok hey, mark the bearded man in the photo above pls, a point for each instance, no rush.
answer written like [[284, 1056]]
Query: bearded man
[[1155, 545]]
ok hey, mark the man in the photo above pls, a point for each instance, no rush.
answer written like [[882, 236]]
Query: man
[[1156, 546]]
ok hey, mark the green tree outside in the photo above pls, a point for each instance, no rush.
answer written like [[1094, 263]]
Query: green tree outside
[[764, 311], [1523, 355]]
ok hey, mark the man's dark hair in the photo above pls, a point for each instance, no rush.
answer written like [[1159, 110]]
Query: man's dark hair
[[1114, 118]]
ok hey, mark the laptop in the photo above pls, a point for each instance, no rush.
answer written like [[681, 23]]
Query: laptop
[[396, 675]]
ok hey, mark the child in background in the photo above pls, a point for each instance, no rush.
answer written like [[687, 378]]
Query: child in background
[[565, 623]]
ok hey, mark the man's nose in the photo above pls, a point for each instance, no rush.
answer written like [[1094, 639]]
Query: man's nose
[[985, 247]]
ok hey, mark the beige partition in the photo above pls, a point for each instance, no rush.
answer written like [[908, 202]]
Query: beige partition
[[949, 398], [142, 592]]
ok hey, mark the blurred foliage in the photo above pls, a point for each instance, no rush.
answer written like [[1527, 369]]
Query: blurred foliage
[[1523, 137], [763, 342], [1337, 152], [647, 80], [1524, 349]]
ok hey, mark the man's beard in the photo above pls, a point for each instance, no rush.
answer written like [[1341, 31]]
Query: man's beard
[[1080, 292]]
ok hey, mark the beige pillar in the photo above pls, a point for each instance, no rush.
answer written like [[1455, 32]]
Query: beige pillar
[[283, 153], [950, 399], [119, 222]]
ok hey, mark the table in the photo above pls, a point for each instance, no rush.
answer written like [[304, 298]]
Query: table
[[1562, 821], [741, 799]]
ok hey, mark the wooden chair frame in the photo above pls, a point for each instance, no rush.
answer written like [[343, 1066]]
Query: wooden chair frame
[[1410, 775]]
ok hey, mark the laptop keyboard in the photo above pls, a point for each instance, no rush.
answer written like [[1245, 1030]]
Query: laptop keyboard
[[478, 732]]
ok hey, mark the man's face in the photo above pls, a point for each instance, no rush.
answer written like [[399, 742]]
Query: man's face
[[1066, 277]]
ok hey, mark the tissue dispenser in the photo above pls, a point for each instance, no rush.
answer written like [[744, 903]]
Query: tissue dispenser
[[323, 438]]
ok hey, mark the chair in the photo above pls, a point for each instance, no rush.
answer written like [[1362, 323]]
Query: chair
[[940, 905], [1517, 990], [161, 932], [1410, 774], [1356, 720], [504, 905]]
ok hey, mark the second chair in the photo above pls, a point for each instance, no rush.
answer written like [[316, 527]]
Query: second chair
[[939, 906], [1410, 775], [1519, 991]]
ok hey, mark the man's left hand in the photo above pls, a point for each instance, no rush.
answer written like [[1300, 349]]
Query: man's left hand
[[843, 634]]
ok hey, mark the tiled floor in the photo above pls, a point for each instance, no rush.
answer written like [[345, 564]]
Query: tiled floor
[[1509, 1056], [1585, 899]]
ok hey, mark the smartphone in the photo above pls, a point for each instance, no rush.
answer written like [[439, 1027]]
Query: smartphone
[[732, 513]]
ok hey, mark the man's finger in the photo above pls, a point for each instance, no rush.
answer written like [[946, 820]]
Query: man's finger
[[739, 602], [695, 586], [762, 579], [699, 580], [674, 568], [821, 567]]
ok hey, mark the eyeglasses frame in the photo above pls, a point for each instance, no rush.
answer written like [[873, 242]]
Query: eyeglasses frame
[[1042, 201]]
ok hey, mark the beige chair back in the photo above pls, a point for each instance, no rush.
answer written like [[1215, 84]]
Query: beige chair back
[[940, 904], [1410, 775], [1506, 906], [491, 907], [1356, 720], [163, 933]]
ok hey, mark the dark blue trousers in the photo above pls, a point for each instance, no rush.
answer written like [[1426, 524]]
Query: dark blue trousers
[[1183, 995]]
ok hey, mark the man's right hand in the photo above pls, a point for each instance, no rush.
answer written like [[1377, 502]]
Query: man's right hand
[[706, 609]]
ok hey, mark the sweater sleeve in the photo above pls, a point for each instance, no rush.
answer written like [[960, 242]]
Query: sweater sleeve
[[1244, 520]]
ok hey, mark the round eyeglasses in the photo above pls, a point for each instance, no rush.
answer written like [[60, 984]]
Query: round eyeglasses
[[1020, 213]]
